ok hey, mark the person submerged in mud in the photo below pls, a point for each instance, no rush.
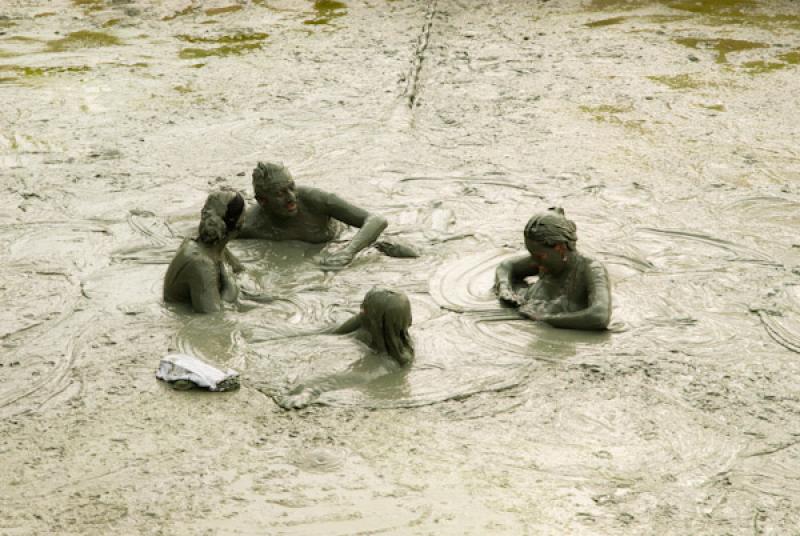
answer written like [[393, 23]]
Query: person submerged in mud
[[382, 324], [572, 291], [288, 212], [198, 273]]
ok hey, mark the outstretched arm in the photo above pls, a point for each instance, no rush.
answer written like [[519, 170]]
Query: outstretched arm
[[598, 314], [510, 273], [370, 227], [348, 326]]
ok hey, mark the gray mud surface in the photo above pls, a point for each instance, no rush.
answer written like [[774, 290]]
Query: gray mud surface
[[667, 130]]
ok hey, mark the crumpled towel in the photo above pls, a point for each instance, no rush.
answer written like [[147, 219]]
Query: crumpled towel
[[186, 371]]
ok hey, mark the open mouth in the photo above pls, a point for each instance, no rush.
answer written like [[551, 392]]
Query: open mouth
[[291, 207]]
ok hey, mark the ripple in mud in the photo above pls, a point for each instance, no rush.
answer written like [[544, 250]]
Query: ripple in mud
[[467, 284], [671, 251], [781, 318], [319, 459], [639, 443], [767, 209]]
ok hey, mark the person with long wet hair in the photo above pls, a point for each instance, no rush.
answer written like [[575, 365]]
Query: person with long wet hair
[[382, 324], [288, 212], [572, 291], [198, 273]]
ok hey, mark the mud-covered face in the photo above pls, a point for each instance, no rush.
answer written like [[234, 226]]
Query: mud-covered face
[[280, 199], [547, 258]]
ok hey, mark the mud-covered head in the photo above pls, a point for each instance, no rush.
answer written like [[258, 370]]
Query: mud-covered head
[[549, 236], [222, 216], [274, 189], [386, 315]]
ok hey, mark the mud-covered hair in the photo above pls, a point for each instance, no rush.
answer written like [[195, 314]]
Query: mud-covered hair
[[387, 318], [217, 212], [551, 228], [233, 212], [265, 174]]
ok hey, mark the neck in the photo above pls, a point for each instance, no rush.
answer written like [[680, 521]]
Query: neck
[[216, 248], [571, 258]]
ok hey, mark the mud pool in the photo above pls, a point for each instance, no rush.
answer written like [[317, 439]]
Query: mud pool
[[668, 132]]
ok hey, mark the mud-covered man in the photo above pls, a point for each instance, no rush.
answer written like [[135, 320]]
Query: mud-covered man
[[288, 212], [571, 291]]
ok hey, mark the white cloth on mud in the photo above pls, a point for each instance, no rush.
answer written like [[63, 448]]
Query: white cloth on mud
[[177, 367]]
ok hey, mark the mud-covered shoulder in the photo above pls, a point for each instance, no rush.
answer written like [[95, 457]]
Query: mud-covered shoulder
[[596, 272], [314, 199], [253, 221]]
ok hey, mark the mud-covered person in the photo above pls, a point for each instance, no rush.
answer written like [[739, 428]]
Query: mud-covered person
[[572, 291], [198, 274], [288, 212], [382, 324]]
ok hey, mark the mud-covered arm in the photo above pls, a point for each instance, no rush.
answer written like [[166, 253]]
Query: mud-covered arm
[[233, 261], [598, 314], [204, 287], [348, 326], [370, 226], [510, 273]]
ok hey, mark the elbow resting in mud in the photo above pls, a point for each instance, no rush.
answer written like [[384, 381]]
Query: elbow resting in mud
[[594, 318]]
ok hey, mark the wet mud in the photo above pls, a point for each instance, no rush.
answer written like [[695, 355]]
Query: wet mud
[[667, 131]]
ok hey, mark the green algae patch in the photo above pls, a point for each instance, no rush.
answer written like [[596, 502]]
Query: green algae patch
[[110, 23], [232, 45], [22, 72], [607, 113], [713, 7], [89, 5], [327, 10], [83, 39], [722, 46], [768, 22], [680, 81], [792, 58], [222, 10], [224, 39], [604, 5], [45, 14], [605, 22], [223, 51], [787, 59], [22, 39], [183, 89], [183, 12], [714, 107], [762, 67], [606, 109]]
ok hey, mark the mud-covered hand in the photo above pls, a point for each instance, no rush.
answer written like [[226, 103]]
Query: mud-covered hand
[[337, 259], [507, 294], [298, 398], [529, 310]]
